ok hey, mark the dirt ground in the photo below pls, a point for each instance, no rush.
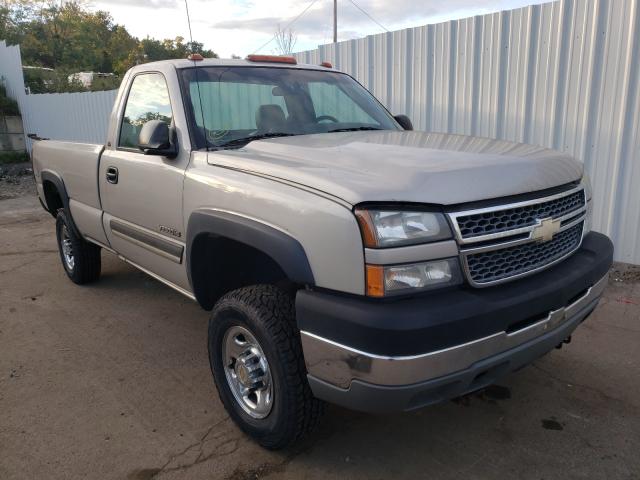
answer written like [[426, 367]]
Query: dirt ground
[[111, 381]]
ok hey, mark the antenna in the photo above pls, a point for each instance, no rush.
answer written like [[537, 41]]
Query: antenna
[[335, 21], [195, 58], [186, 6]]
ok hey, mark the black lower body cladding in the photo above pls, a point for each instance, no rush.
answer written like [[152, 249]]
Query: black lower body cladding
[[404, 354], [426, 323]]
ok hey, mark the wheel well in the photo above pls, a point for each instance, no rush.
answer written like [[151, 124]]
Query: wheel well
[[219, 265], [52, 197]]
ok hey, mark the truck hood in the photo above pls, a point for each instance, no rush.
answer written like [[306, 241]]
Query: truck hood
[[404, 166]]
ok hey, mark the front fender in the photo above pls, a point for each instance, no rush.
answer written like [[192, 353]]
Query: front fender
[[285, 250]]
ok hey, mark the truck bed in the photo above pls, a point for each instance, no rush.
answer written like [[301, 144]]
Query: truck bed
[[75, 163]]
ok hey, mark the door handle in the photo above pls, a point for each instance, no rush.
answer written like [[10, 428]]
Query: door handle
[[112, 175]]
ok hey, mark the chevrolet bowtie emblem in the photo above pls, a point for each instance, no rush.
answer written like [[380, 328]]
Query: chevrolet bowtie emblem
[[545, 230]]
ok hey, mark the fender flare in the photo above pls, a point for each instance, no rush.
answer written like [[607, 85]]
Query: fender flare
[[49, 176], [285, 250]]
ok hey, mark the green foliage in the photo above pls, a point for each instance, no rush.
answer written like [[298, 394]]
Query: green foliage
[[105, 83], [8, 106], [60, 81], [13, 157], [51, 81], [70, 38]]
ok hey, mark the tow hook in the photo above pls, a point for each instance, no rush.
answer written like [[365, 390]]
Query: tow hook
[[566, 340]]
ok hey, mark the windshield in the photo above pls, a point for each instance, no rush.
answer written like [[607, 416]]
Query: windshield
[[230, 106]]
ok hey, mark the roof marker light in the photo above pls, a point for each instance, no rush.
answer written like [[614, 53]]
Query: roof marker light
[[196, 57], [272, 59], [326, 65]]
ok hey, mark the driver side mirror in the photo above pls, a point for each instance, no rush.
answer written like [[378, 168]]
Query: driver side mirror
[[156, 139], [404, 121]]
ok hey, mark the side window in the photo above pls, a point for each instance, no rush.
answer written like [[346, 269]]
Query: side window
[[148, 100], [330, 100]]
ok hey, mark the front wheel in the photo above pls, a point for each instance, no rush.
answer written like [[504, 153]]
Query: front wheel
[[257, 363]]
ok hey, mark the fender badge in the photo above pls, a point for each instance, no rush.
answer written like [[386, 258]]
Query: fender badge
[[170, 231]]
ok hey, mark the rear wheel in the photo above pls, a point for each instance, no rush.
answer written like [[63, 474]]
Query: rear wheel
[[80, 259], [257, 363]]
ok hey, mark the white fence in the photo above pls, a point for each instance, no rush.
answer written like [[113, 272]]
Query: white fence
[[564, 75], [78, 117]]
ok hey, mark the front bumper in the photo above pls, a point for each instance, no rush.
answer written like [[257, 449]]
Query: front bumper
[[518, 322]]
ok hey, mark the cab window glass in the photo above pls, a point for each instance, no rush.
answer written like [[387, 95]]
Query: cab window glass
[[333, 103], [232, 105], [229, 103], [148, 100]]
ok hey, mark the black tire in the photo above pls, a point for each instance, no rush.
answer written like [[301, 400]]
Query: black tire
[[86, 256], [268, 314]]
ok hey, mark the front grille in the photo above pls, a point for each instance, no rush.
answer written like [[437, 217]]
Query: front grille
[[496, 221], [496, 265]]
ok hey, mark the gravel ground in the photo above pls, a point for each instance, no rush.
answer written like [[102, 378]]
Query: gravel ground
[[111, 381], [16, 180]]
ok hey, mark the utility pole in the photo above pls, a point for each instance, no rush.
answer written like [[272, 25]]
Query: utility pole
[[335, 21]]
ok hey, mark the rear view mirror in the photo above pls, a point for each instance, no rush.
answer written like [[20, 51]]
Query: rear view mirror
[[404, 121], [155, 139]]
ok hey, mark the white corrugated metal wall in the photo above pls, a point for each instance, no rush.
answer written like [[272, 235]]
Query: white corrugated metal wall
[[78, 117], [564, 75], [11, 70]]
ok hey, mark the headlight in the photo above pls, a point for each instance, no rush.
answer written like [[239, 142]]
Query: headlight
[[393, 228], [384, 280]]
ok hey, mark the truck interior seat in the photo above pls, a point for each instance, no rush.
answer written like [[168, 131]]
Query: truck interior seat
[[270, 118]]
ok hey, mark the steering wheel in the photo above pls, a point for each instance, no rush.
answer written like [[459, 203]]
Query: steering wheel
[[327, 117]]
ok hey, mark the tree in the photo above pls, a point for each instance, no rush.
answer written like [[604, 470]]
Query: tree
[[70, 38], [13, 14], [154, 50], [285, 40]]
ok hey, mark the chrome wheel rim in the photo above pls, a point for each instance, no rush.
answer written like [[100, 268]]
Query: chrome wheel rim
[[67, 249], [247, 372]]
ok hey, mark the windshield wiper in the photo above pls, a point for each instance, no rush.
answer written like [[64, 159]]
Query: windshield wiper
[[244, 140], [353, 129]]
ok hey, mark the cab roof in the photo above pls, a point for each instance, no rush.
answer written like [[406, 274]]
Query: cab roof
[[227, 62]]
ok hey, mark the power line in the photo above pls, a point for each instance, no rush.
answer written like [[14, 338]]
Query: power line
[[288, 25], [370, 17]]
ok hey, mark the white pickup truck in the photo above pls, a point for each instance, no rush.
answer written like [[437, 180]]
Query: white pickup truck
[[344, 257]]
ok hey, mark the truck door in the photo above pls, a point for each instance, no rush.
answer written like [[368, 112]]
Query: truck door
[[142, 194]]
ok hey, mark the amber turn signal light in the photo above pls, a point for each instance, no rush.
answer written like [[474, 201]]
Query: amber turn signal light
[[366, 225], [375, 280], [272, 59]]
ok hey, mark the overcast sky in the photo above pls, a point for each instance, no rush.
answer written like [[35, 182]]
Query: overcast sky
[[242, 26]]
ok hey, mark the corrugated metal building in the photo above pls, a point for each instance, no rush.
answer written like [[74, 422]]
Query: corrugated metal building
[[563, 75], [77, 117]]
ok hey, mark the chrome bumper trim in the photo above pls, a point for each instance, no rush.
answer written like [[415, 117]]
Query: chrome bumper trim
[[339, 364]]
